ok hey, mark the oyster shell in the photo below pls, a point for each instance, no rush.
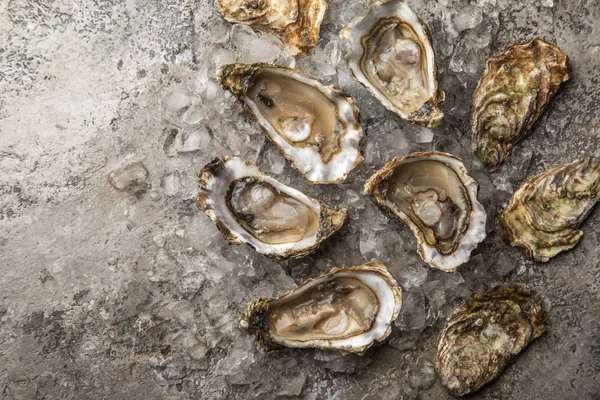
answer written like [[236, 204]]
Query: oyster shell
[[315, 127], [544, 214], [389, 51], [514, 90], [346, 309], [295, 23], [486, 334], [433, 194], [250, 207]]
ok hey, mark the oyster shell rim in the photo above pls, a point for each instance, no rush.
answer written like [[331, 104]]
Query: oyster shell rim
[[428, 115], [354, 130], [331, 219], [253, 319], [477, 219]]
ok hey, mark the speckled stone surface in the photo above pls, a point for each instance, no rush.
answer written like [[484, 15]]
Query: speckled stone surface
[[133, 293]]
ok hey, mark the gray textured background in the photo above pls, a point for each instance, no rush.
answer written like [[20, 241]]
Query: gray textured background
[[114, 294]]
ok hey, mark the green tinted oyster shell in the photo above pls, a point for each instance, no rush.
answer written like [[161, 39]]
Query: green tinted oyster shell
[[544, 214], [514, 90], [485, 335]]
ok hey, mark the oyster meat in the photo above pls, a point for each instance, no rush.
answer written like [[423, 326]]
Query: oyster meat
[[295, 23], [544, 214], [250, 207], [433, 194], [514, 90], [486, 334], [389, 51], [346, 309], [316, 127]]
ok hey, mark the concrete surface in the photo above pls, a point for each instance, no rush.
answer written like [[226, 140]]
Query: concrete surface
[[133, 294]]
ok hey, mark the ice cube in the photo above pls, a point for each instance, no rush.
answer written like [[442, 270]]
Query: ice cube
[[412, 314], [130, 177], [170, 182]]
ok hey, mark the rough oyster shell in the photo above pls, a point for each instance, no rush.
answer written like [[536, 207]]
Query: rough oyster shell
[[544, 214], [389, 51], [295, 23], [486, 334], [250, 207], [346, 309], [316, 127], [434, 195], [514, 90]]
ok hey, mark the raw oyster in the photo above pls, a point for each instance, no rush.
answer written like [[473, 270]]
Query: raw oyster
[[390, 52], [295, 23], [514, 90], [275, 219], [486, 334], [433, 194], [315, 127], [544, 213], [346, 309]]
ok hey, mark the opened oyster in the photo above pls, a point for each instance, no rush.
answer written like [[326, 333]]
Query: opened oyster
[[295, 23], [249, 207], [486, 334], [544, 214], [390, 52], [346, 309], [316, 127], [514, 90], [433, 194]]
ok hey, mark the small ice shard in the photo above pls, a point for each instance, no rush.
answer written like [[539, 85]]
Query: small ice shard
[[424, 136], [187, 140], [413, 314], [422, 375], [170, 183], [130, 178], [293, 386], [183, 312]]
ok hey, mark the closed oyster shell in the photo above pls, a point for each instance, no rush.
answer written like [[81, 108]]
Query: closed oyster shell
[[250, 207], [295, 23], [316, 127], [544, 214], [390, 52], [486, 334], [346, 309], [435, 196], [514, 90]]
